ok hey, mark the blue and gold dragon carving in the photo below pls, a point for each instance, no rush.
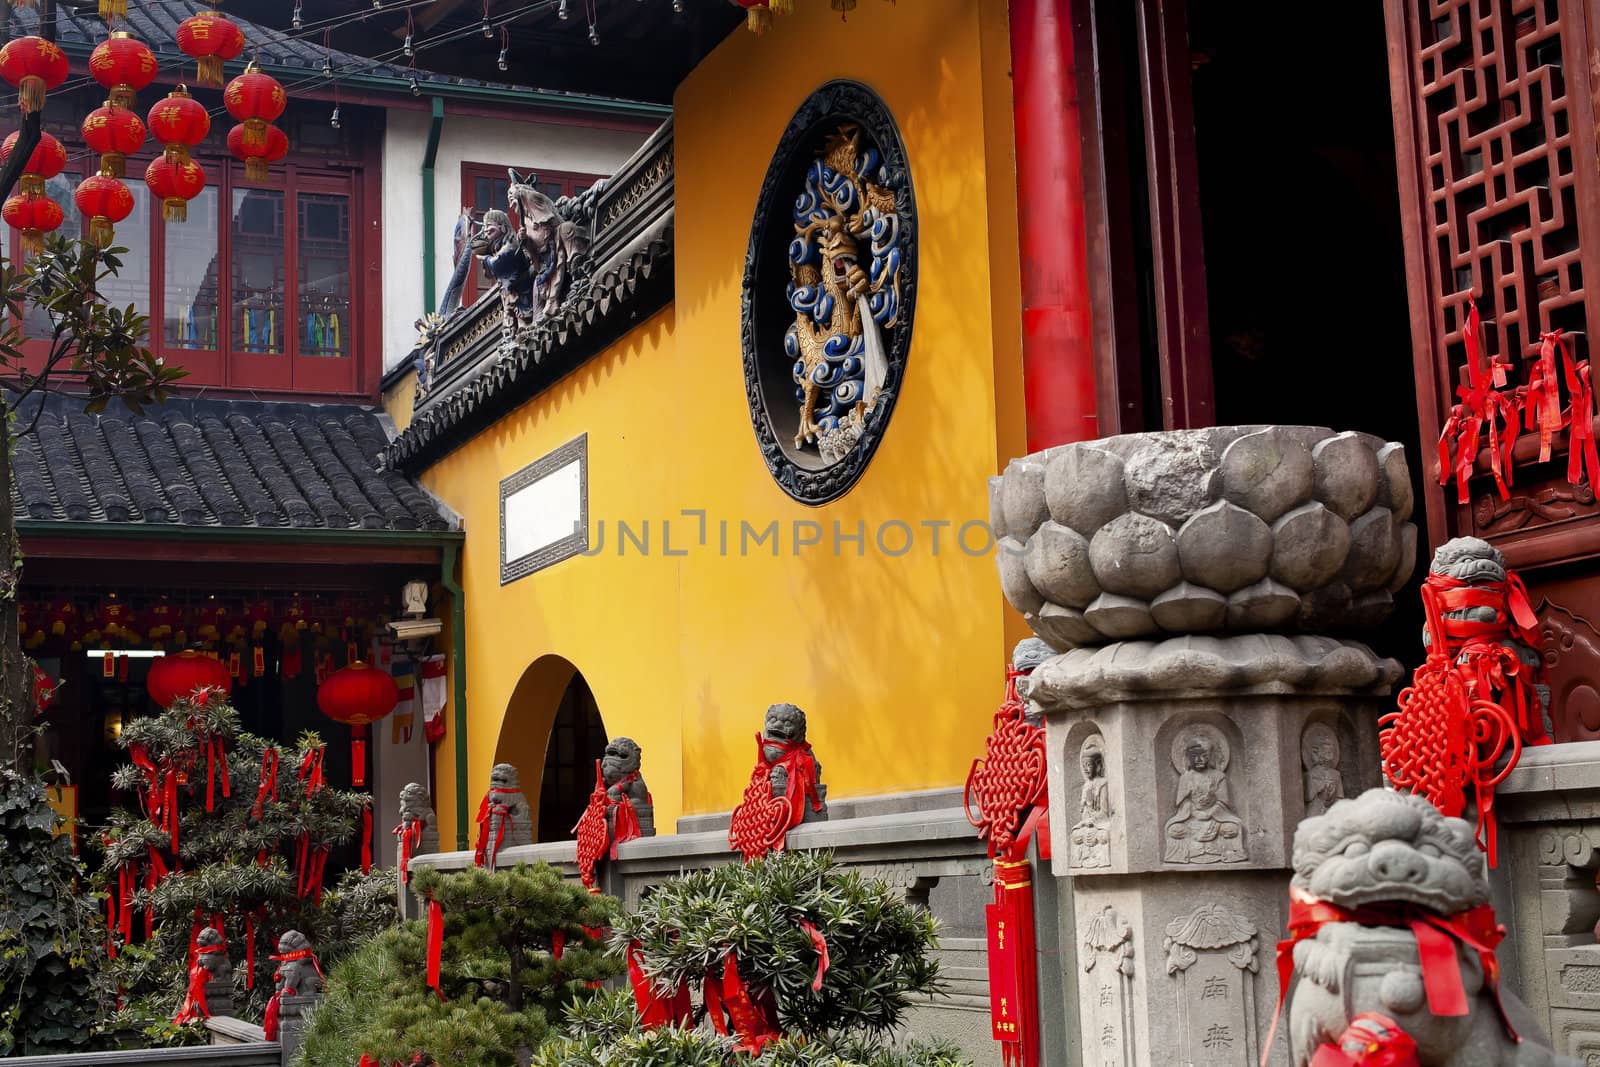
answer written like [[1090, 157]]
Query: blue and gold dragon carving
[[844, 288]]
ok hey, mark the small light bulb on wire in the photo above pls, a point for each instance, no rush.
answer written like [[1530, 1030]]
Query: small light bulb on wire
[[677, 6], [295, 22], [406, 48], [416, 89], [333, 119], [505, 48], [594, 35], [562, 12], [327, 67]]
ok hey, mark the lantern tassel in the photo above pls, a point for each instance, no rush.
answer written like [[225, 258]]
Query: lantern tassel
[[255, 170], [758, 20], [358, 755], [114, 165], [781, 7], [32, 184], [30, 93], [255, 133], [177, 153], [101, 230], [32, 242], [113, 9], [175, 209], [209, 71]]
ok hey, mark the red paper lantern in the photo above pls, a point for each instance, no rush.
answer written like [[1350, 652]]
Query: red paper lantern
[[211, 40], [256, 100], [33, 215], [176, 184], [44, 689], [45, 163], [173, 677], [257, 157], [358, 695], [106, 202], [179, 122], [34, 65], [123, 65], [115, 133]]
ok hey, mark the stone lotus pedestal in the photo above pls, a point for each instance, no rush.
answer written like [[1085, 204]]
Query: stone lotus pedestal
[[1197, 711]]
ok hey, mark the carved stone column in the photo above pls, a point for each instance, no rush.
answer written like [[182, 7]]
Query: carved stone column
[[1197, 711]]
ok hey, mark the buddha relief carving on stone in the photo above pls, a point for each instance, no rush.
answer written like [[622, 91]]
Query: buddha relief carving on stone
[[1090, 844], [1319, 755], [1204, 827]]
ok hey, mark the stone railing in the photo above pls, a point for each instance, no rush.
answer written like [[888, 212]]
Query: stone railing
[[1545, 890], [261, 1054], [920, 843]]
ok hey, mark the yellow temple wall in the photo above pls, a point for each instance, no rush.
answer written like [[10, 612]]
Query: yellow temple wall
[[897, 657]]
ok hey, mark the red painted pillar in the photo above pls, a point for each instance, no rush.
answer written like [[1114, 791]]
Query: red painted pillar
[[1057, 346]]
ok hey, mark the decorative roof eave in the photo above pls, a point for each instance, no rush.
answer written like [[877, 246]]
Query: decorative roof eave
[[615, 303]]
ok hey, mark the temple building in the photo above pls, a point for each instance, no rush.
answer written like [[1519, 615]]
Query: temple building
[[772, 392], [248, 515]]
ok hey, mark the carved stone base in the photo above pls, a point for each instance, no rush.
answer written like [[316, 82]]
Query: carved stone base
[[1178, 772]]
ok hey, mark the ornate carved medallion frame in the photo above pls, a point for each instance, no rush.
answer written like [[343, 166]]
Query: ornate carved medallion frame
[[802, 470]]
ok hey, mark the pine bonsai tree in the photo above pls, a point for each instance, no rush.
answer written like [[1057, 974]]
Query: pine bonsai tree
[[799, 962], [232, 831], [50, 989], [518, 949]]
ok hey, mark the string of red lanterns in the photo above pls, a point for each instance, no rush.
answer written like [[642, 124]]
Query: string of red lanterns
[[30, 211], [124, 66]]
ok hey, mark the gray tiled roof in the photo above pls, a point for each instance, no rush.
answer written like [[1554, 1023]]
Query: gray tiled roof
[[155, 22], [199, 462]]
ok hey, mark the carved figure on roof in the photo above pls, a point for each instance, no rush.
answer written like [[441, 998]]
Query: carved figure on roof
[[844, 288], [552, 244], [498, 246]]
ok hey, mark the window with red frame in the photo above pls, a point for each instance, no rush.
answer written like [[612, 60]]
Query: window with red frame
[[260, 298], [484, 186]]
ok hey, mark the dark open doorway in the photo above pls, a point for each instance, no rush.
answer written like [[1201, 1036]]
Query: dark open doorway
[[1299, 207], [577, 739]]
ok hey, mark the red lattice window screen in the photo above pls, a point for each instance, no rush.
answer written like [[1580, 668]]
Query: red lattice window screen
[[1496, 147]]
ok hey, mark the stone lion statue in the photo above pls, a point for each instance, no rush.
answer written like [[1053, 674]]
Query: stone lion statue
[[416, 807], [298, 977], [1388, 854], [215, 962], [619, 768], [785, 725], [507, 808]]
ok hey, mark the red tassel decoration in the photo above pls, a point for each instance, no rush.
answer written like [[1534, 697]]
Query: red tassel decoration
[[1013, 981], [249, 951], [358, 755], [366, 840]]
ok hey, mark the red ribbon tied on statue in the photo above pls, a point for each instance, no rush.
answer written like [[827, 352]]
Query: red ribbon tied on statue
[[194, 1005], [409, 838], [1371, 1040], [488, 810], [1437, 937], [1481, 404]]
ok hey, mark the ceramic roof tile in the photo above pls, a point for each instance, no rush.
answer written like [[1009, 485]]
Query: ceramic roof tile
[[207, 462]]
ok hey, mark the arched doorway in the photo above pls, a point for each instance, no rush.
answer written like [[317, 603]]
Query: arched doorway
[[577, 739], [552, 733]]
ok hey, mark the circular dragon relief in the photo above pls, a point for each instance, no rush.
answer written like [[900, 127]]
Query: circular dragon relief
[[829, 290]]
